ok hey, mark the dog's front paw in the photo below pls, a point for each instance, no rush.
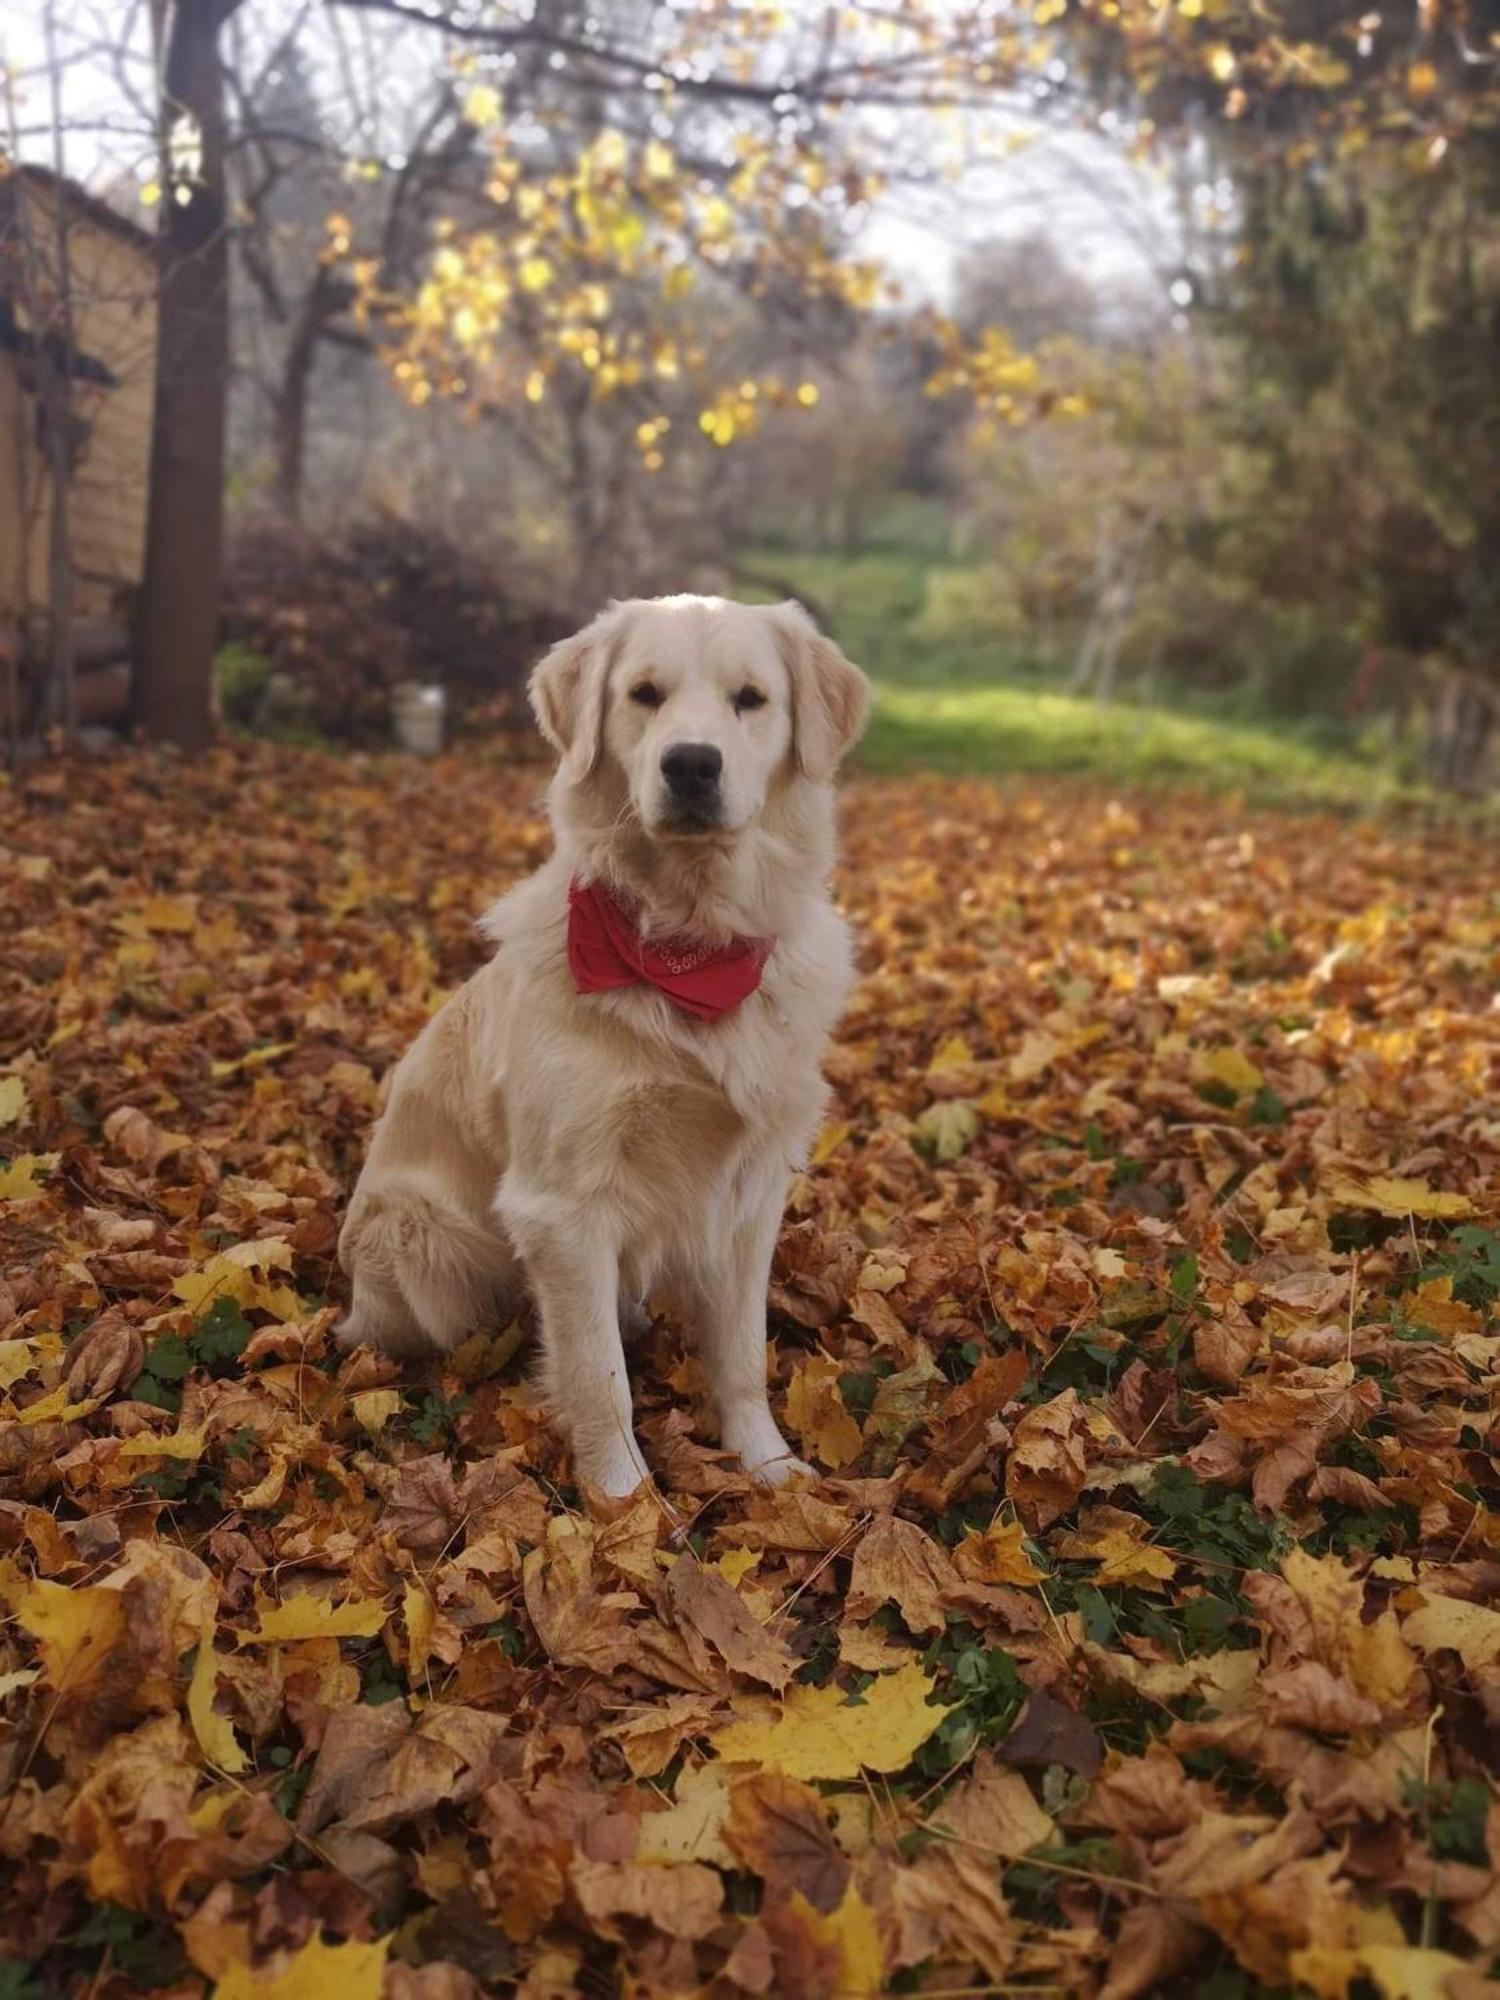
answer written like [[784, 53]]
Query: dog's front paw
[[753, 1437], [780, 1471], [615, 1473]]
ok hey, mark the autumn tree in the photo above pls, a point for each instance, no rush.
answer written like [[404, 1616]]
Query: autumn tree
[[179, 609]]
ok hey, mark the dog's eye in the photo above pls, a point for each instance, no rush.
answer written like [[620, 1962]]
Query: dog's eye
[[647, 693], [748, 697]]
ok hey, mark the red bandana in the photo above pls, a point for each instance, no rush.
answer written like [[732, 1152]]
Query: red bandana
[[606, 952]]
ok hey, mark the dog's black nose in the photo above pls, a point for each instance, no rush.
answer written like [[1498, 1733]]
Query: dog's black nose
[[691, 769]]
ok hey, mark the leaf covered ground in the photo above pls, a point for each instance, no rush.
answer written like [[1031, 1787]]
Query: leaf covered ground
[[1139, 1310]]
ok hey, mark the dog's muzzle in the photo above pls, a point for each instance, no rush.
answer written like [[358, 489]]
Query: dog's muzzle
[[691, 772]]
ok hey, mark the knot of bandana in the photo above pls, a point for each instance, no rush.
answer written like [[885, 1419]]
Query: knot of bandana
[[606, 952]]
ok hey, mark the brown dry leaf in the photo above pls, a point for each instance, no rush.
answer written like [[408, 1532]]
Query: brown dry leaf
[[701, 1598], [238, 1564], [693, 1827], [778, 1829], [683, 1902], [1310, 1697], [651, 1737], [377, 1768], [1047, 1464], [896, 1563], [1372, 1654], [994, 1812]]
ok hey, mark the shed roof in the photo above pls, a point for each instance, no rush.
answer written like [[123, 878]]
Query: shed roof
[[94, 206]]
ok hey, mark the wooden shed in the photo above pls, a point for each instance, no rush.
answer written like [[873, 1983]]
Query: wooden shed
[[108, 369]]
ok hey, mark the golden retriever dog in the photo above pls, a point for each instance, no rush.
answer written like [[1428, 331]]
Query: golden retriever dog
[[614, 1105]]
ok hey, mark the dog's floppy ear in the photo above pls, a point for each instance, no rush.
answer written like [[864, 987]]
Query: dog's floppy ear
[[567, 690], [830, 696]]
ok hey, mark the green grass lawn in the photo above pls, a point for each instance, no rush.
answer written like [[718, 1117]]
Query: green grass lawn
[[961, 703]]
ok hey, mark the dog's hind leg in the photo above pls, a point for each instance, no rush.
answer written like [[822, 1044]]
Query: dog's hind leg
[[426, 1275]]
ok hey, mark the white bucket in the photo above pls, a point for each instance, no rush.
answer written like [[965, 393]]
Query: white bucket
[[419, 714]]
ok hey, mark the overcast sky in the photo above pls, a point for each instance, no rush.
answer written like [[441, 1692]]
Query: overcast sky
[[1022, 177]]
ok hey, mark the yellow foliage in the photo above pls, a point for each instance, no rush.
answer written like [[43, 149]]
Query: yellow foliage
[[319, 1971], [308, 1617], [855, 1934], [74, 1628], [818, 1414], [216, 1739], [1390, 1194], [22, 1177], [818, 1734]]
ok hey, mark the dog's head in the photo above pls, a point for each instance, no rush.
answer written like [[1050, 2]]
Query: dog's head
[[699, 709]]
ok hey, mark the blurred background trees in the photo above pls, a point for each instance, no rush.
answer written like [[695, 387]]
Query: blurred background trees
[[1154, 351]]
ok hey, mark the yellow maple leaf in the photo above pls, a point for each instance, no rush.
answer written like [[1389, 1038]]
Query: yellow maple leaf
[[828, 1142], [319, 1971], [945, 1129], [56, 1408], [374, 1408], [22, 1178], [238, 1273], [1396, 1971], [1229, 1067], [997, 1555], [1390, 1194], [852, 1930], [736, 1564], [1374, 1656], [1037, 1053], [17, 1358], [216, 1739], [74, 1628], [1121, 1548], [308, 1617], [186, 1444], [254, 1060], [819, 1734], [953, 1052], [1453, 1624], [818, 1414], [14, 1102], [1433, 1305]]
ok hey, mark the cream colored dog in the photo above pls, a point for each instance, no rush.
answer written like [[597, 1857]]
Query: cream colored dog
[[594, 1143]]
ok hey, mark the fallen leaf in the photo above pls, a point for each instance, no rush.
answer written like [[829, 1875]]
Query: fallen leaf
[[216, 1738], [1049, 1732], [1389, 1194], [818, 1415], [309, 1617], [317, 1971], [819, 1733]]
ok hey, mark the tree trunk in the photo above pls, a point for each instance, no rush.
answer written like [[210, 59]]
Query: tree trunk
[[62, 709], [327, 296], [289, 433], [179, 610]]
